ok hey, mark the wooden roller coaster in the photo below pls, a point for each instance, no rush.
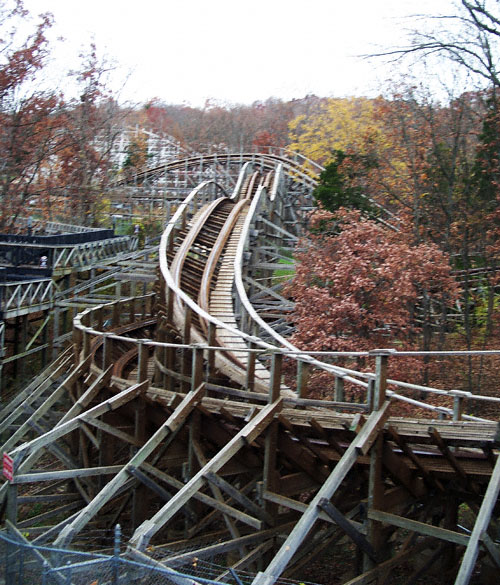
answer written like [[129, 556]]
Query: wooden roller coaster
[[173, 417]]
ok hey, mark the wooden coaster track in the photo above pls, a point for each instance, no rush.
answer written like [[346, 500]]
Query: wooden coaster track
[[183, 436]]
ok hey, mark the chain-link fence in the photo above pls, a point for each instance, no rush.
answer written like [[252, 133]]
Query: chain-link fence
[[24, 563]]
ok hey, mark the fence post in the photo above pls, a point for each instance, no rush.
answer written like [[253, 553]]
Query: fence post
[[45, 573], [116, 555]]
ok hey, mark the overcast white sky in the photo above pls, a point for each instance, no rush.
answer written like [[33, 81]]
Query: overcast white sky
[[233, 50]]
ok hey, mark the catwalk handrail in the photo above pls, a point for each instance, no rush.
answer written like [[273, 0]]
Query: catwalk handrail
[[86, 321]]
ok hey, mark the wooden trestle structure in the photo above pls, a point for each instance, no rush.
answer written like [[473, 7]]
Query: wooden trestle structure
[[170, 415]]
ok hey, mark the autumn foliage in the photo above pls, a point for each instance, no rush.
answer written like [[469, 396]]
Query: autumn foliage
[[358, 284]]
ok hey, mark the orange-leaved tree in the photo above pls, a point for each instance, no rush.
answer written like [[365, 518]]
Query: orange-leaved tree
[[358, 285]]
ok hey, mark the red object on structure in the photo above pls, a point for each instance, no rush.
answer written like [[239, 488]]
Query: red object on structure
[[8, 467]]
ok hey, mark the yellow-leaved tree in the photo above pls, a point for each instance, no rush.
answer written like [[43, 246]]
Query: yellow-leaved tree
[[348, 124]]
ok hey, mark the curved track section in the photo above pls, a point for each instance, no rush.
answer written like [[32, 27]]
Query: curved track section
[[181, 428], [200, 279]]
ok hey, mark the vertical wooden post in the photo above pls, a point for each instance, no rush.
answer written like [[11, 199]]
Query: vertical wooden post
[[77, 344], [86, 344], [458, 405], [107, 344], [169, 381], [131, 315], [303, 374], [55, 332], [370, 392], [116, 314], [375, 498], [250, 373], [99, 313], [11, 508], [140, 494], [375, 483], [142, 361], [270, 478], [24, 342], [275, 382], [46, 338], [381, 358], [211, 352], [159, 354], [339, 389], [186, 353], [197, 369], [170, 305]]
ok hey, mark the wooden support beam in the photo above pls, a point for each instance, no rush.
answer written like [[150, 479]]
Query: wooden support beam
[[59, 431], [197, 367], [36, 521], [228, 517], [218, 504], [357, 537], [304, 525], [339, 389], [304, 370], [402, 473], [321, 432], [375, 500], [250, 431], [406, 449], [212, 329], [250, 371], [445, 450], [256, 553], [86, 398], [150, 483], [419, 527], [35, 477], [33, 391], [301, 507], [301, 458], [111, 430], [169, 429], [371, 577], [304, 440], [221, 547], [492, 548], [239, 497], [142, 361], [47, 404], [480, 527]]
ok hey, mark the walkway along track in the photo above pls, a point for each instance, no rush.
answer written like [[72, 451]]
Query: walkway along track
[[173, 436]]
